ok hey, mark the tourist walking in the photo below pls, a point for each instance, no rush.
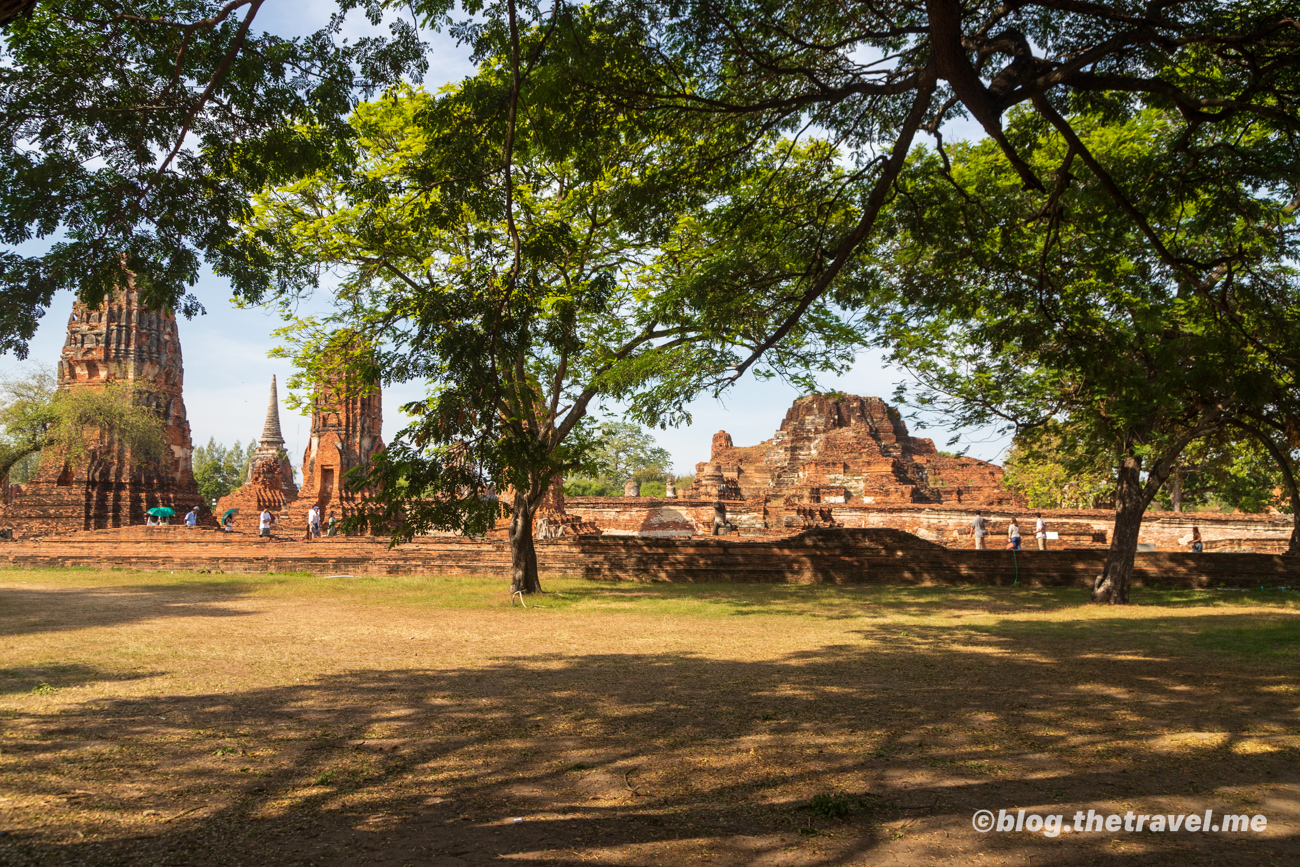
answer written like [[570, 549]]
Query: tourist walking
[[264, 522], [981, 530], [313, 522], [1040, 532], [192, 517], [1013, 536], [330, 528]]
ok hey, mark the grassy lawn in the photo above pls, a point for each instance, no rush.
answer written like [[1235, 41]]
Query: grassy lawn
[[155, 718]]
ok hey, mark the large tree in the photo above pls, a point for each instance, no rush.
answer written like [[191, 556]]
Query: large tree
[[624, 451], [528, 257], [1036, 308], [134, 133], [218, 470]]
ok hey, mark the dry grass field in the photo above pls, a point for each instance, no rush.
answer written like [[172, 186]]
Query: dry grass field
[[217, 719]]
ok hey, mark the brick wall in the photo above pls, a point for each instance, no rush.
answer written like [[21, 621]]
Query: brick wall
[[943, 525], [838, 556]]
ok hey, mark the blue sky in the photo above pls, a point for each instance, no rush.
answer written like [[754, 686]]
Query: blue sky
[[227, 371]]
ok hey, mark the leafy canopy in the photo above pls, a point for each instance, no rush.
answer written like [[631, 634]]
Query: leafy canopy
[[35, 416], [133, 133], [584, 268]]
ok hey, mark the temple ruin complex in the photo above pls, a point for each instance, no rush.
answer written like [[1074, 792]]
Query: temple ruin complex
[[846, 449], [836, 462], [122, 341]]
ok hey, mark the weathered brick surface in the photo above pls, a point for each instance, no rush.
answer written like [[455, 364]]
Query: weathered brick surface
[[836, 556], [269, 486], [845, 449], [345, 435], [123, 341], [944, 525]]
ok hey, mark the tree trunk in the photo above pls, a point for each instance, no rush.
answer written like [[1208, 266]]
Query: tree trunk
[[11, 455], [523, 555], [1284, 465], [1112, 585]]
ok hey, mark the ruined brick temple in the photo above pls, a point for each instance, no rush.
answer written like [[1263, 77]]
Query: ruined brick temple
[[345, 435], [269, 484], [123, 341], [846, 449]]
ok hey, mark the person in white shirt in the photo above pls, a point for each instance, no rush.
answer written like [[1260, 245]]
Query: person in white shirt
[[192, 517], [264, 523], [980, 529], [313, 522], [1040, 532]]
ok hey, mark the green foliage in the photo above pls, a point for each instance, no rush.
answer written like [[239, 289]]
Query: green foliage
[[654, 488], [1019, 308], [35, 416], [624, 451], [1225, 472], [1053, 469], [523, 293], [24, 468], [27, 416], [134, 133], [218, 470], [1029, 308], [579, 486]]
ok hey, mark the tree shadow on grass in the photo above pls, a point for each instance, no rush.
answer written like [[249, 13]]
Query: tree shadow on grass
[[48, 678], [28, 611], [648, 759], [829, 601], [1271, 638]]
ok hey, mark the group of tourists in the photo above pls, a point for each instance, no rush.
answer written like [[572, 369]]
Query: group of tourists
[[980, 529], [315, 527], [161, 520]]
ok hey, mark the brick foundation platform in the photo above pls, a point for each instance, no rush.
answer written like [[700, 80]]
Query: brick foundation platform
[[833, 555]]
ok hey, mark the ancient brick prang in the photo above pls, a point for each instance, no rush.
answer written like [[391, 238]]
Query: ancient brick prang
[[345, 435], [846, 449], [122, 341], [270, 484]]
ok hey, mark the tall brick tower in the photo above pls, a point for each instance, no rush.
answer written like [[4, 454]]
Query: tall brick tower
[[345, 434], [269, 484], [123, 341], [271, 444]]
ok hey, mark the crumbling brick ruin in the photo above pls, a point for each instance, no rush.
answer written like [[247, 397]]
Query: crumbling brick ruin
[[269, 485], [345, 435], [846, 449], [123, 341]]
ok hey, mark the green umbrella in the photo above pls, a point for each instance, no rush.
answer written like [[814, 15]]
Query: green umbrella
[[228, 513], [161, 512]]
